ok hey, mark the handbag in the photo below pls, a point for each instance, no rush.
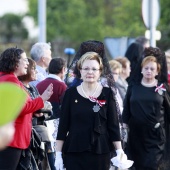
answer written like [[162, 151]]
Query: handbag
[[52, 127], [43, 132]]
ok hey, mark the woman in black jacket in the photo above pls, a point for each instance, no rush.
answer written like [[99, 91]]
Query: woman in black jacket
[[89, 127]]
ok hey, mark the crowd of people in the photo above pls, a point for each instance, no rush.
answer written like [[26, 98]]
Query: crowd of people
[[113, 114]]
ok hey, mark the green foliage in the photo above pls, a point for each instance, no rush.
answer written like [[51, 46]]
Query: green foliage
[[127, 18], [164, 25], [12, 28], [79, 20]]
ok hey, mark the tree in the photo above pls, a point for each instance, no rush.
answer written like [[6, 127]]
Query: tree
[[12, 29], [80, 20], [164, 25]]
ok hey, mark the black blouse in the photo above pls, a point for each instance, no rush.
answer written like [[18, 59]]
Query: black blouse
[[82, 129], [147, 113], [145, 106]]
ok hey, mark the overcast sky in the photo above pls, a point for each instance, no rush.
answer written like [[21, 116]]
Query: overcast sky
[[13, 6], [18, 7]]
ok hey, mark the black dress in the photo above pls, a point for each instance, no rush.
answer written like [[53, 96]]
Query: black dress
[[146, 112], [88, 135]]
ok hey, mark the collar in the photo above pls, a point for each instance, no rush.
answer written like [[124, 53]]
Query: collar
[[54, 77], [41, 69]]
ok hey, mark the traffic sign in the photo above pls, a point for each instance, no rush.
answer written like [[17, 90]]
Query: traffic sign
[[156, 34], [150, 13]]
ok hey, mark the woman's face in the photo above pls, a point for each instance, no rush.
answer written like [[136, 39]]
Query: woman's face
[[33, 72], [126, 71], [90, 71], [116, 74], [22, 65], [150, 70]]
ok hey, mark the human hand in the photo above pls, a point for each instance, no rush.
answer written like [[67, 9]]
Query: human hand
[[6, 134], [38, 114], [47, 93], [58, 161], [120, 154], [121, 161]]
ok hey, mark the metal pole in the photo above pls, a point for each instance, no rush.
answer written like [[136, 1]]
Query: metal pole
[[68, 60], [42, 20], [152, 28]]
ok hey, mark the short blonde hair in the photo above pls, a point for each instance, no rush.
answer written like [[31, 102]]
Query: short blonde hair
[[151, 59], [115, 65], [90, 56], [123, 61]]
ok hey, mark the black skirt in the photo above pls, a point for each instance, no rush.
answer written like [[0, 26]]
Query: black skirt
[[86, 160]]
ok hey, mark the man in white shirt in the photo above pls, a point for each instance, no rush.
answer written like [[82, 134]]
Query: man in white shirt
[[41, 54]]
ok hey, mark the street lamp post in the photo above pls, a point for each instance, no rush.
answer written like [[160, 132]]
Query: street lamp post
[[69, 52], [42, 20], [152, 27], [151, 15]]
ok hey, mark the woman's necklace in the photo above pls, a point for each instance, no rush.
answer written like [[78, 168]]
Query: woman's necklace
[[149, 84], [96, 107], [92, 94]]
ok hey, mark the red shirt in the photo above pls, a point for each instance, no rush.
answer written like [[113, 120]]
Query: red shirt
[[23, 123]]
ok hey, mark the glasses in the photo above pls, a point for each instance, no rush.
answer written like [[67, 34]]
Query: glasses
[[88, 69]]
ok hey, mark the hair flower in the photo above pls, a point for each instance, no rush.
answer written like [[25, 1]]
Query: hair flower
[[160, 89]]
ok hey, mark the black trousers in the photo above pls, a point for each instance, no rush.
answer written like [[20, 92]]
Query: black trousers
[[9, 158], [87, 161]]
